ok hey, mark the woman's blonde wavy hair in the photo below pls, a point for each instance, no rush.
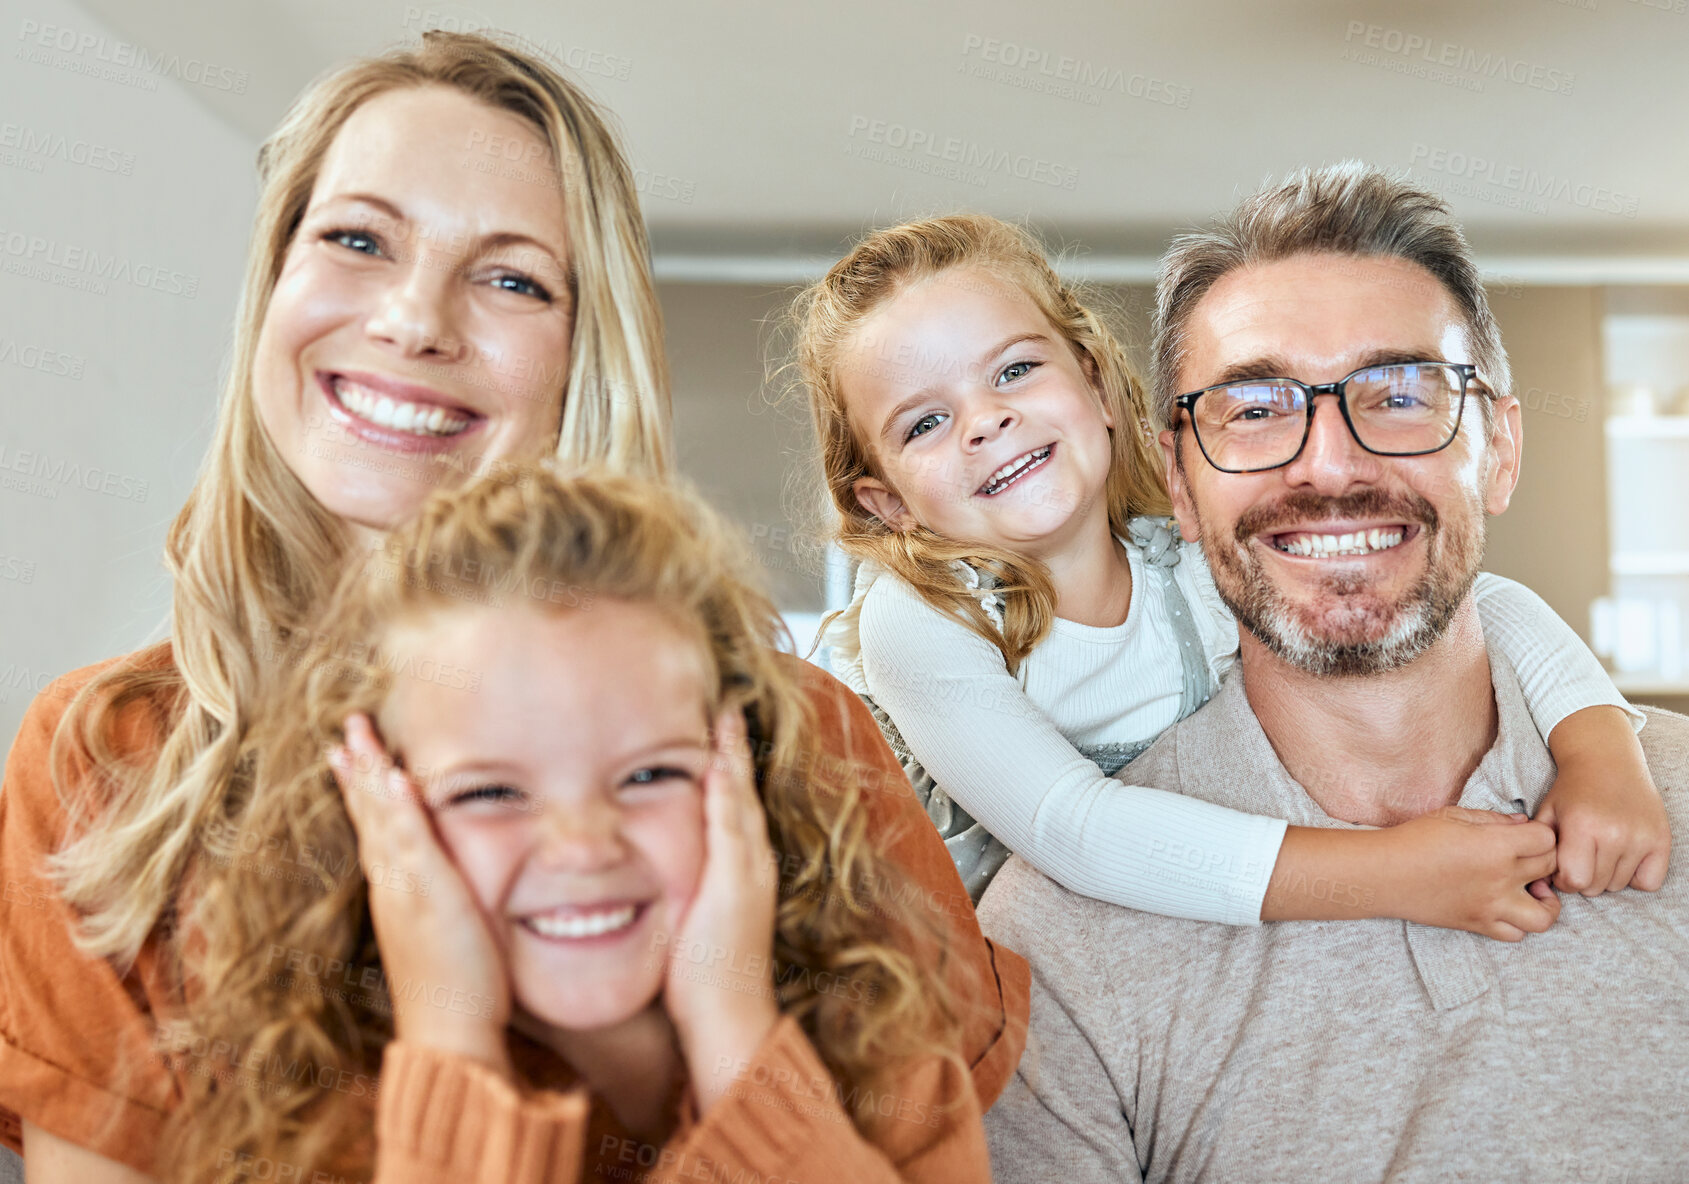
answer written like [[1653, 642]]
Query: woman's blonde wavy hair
[[507, 543], [827, 315], [253, 554]]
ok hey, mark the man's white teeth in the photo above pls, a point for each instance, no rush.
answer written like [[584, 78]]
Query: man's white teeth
[[582, 924], [1321, 545], [416, 418], [1014, 469]]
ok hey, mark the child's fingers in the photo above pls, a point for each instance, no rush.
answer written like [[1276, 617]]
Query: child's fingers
[[1530, 913], [1479, 817], [1530, 839], [1651, 872], [387, 815], [1536, 867], [1611, 857], [1577, 862], [732, 774], [1624, 870]]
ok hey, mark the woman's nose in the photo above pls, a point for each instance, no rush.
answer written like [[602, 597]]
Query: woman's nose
[[414, 312]]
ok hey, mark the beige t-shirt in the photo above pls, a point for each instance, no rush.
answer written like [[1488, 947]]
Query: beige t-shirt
[[1169, 1050]]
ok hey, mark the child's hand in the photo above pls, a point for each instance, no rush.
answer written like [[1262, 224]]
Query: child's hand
[[1471, 869], [720, 987], [445, 972], [1603, 805]]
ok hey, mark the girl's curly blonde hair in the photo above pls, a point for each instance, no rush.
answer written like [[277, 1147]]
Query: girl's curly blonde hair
[[859, 967]]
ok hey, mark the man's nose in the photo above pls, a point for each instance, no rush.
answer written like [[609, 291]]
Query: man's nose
[[1332, 460], [415, 311]]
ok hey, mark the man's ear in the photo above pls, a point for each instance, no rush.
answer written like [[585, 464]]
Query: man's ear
[[1183, 509], [878, 499], [1507, 446]]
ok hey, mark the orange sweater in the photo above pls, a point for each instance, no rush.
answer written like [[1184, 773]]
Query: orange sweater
[[79, 1053], [443, 1119]]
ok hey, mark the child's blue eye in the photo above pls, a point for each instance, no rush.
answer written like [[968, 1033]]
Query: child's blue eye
[[485, 793], [1016, 370], [656, 776], [932, 419]]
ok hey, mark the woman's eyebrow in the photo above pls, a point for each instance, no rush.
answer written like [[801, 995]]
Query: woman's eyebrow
[[498, 238]]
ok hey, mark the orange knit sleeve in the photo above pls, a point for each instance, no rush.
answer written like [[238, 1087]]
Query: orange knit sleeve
[[444, 1119], [784, 1119], [78, 1055]]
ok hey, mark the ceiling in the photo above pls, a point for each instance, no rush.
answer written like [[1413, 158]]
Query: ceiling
[[768, 135]]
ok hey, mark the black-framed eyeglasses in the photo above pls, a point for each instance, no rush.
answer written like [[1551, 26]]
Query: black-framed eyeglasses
[[1403, 409]]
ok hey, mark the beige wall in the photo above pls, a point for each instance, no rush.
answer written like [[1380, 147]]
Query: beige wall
[[1554, 536], [746, 451]]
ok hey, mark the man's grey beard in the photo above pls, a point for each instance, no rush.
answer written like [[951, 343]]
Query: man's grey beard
[[1367, 638]]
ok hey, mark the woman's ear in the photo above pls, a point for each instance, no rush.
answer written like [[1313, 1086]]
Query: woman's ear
[[878, 499]]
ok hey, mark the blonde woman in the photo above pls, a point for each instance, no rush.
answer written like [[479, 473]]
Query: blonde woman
[[416, 310]]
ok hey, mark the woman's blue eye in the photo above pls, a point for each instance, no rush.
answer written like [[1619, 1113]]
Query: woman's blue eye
[[1016, 370], [931, 420], [523, 285], [348, 239]]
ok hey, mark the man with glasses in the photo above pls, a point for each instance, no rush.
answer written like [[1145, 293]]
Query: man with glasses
[[1339, 423]]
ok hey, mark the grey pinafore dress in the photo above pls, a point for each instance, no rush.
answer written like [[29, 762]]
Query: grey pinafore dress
[[978, 854]]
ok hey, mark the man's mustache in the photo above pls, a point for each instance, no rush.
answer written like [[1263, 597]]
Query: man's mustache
[[1304, 508]]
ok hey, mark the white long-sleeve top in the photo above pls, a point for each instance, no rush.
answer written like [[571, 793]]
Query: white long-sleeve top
[[1006, 748]]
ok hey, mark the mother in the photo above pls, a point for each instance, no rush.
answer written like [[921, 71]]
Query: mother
[[448, 272]]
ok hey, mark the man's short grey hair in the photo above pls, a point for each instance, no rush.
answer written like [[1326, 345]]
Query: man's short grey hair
[[1349, 209]]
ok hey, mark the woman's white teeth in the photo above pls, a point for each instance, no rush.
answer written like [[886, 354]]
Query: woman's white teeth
[[1320, 545], [1014, 469], [582, 924], [416, 418]]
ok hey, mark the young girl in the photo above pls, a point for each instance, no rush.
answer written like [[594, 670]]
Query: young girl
[[614, 921], [1016, 655]]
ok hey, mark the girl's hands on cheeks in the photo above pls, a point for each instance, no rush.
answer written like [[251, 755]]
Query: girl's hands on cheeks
[[720, 986], [450, 985]]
